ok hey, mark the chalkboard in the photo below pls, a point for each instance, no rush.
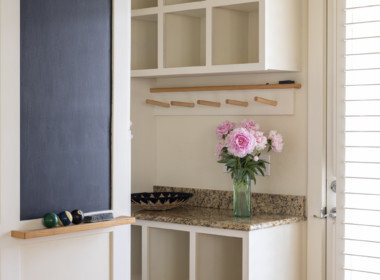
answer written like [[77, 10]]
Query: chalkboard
[[65, 106]]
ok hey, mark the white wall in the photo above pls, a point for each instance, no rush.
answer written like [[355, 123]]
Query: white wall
[[144, 144], [179, 150]]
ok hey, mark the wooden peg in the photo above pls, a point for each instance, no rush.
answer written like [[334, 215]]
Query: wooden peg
[[208, 103], [157, 103], [183, 104], [266, 101], [237, 103]]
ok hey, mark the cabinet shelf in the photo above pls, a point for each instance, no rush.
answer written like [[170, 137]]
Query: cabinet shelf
[[144, 42], [197, 37], [185, 38], [142, 4], [235, 31], [119, 221], [234, 87], [173, 2]]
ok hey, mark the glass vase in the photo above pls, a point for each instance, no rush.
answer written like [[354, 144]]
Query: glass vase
[[242, 196]]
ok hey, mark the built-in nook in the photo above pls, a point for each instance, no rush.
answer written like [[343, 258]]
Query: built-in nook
[[235, 34], [173, 2], [185, 38], [142, 4], [144, 42], [196, 37]]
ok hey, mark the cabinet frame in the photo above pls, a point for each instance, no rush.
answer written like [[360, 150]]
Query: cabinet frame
[[278, 33], [251, 248]]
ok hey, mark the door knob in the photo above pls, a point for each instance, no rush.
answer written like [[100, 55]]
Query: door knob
[[324, 214]]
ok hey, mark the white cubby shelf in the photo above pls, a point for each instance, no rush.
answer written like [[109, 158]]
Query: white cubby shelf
[[235, 36], [144, 38], [142, 4], [174, 251], [197, 37], [185, 38]]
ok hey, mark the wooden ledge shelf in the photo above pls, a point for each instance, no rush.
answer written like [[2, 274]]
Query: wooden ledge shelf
[[119, 221], [217, 88]]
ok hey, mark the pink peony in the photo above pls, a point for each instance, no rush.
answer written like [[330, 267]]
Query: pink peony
[[256, 158], [219, 148], [240, 142], [261, 140], [249, 125], [276, 141], [223, 129]]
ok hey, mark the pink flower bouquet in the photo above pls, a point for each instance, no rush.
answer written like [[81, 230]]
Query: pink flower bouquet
[[240, 147]]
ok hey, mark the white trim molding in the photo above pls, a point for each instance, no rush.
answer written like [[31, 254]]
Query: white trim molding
[[316, 192]]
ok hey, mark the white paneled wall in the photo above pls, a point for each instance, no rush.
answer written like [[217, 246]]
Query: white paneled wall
[[81, 258]]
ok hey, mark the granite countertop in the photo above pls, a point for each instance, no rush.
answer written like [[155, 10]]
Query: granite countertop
[[215, 218], [213, 208]]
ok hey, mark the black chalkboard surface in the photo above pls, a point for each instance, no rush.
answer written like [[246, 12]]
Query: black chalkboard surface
[[65, 106]]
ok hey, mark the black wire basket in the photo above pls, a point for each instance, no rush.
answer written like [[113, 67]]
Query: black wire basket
[[160, 200]]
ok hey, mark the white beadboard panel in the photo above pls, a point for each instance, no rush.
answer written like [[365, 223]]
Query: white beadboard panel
[[81, 258], [284, 97]]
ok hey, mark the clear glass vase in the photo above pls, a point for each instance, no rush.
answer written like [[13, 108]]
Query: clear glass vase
[[242, 196]]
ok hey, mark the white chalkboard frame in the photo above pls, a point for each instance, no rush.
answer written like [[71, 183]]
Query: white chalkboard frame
[[10, 258]]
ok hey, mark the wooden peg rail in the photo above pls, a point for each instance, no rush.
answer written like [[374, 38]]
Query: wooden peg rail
[[183, 104], [237, 103], [208, 103], [218, 88], [266, 101], [157, 103]]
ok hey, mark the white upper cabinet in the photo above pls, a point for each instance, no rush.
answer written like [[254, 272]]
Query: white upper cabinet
[[196, 37]]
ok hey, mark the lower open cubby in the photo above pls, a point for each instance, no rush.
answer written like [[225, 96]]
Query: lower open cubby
[[169, 251], [168, 255], [218, 257]]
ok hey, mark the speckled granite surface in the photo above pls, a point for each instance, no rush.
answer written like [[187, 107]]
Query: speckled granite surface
[[213, 208], [271, 204], [215, 218]]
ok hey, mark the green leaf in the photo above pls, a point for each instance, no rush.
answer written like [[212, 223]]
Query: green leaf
[[261, 171], [251, 173]]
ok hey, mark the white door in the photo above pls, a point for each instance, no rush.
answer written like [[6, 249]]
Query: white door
[[357, 165], [98, 254], [331, 141]]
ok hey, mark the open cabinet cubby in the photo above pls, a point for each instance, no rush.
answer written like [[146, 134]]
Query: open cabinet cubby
[[142, 4], [185, 39], [217, 257], [173, 2], [168, 256], [174, 251], [144, 42], [197, 37], [235, 30]]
